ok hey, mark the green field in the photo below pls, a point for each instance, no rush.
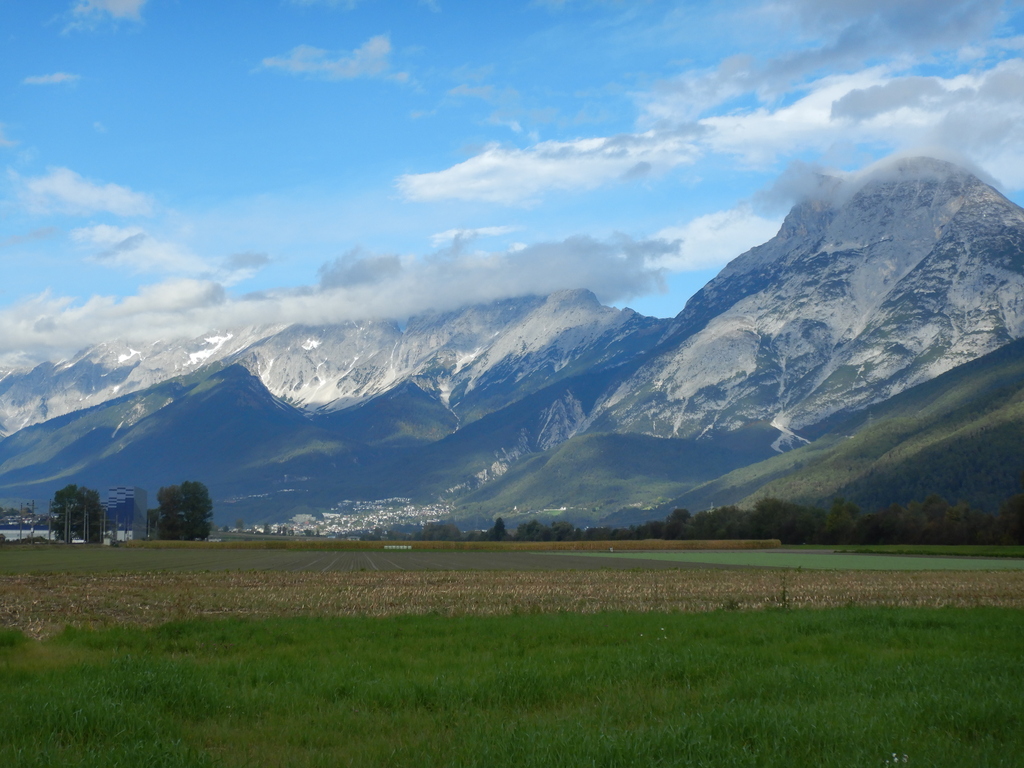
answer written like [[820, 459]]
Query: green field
[[843, 687], [949, 550], [836, 561]]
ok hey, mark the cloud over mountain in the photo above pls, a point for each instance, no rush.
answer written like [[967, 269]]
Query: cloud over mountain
[[355, 286]]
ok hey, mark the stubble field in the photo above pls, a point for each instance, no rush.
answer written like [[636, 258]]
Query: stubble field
[[40, 605]]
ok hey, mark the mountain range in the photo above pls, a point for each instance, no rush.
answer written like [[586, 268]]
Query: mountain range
[[872, 289]]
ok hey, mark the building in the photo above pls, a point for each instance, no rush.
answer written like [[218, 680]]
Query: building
[[127, 512]]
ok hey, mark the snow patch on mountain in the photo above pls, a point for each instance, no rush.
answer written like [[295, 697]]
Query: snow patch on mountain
[[205, 354]]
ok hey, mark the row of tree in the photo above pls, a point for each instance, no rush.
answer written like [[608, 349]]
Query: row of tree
[[184, 512], [932, 521]]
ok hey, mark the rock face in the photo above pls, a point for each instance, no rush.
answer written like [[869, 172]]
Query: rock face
[[866, 291]]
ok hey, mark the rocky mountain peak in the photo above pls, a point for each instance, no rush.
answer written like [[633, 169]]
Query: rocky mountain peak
[[881, 282]]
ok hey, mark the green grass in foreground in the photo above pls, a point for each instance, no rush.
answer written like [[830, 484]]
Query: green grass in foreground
[[845, 687]]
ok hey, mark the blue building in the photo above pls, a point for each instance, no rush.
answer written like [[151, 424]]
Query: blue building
[[127, 512]]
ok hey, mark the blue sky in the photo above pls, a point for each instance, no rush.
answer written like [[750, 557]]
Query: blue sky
[[174, 168]]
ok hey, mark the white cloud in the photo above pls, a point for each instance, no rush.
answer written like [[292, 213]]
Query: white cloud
[[465, 235], [61, 326], [64, 191], [55, 79], [842, 36], [88, 12], [134, 249], [355, 286], [714, 239], [759, 135], [979, 115], [512, 175], [368, 60], [4, 141]]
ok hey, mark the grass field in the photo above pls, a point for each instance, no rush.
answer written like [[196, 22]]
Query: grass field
[[842, 561], [840, 687]]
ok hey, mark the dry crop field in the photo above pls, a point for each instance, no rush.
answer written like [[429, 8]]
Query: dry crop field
[[40, 605], [97, 559]]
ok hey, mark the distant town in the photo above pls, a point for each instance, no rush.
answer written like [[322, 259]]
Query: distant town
[[347, 518]]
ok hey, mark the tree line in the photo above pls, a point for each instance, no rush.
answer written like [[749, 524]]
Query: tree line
[[932, 521], [185, 512]]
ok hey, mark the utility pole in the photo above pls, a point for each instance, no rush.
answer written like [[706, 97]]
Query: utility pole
[[21, 522], [32, 523]]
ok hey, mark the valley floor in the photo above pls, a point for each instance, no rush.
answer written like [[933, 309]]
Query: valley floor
[[237, 657]]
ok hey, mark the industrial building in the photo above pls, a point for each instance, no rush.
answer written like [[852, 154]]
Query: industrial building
[[128, 512]]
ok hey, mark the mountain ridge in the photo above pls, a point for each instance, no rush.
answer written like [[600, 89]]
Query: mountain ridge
[[871, 287]]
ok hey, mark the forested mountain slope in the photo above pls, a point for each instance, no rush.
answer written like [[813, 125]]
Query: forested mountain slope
[[960, 435]]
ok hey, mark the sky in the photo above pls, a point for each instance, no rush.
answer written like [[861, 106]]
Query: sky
[[175, 168]]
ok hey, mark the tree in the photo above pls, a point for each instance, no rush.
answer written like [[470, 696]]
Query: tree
[[440, 532], [677, 524], [1011, 515], [534, 530], [197, 510], [563, 530], [497, 533], [74, 509], [170, 524], [841, 521], [186, 511]]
